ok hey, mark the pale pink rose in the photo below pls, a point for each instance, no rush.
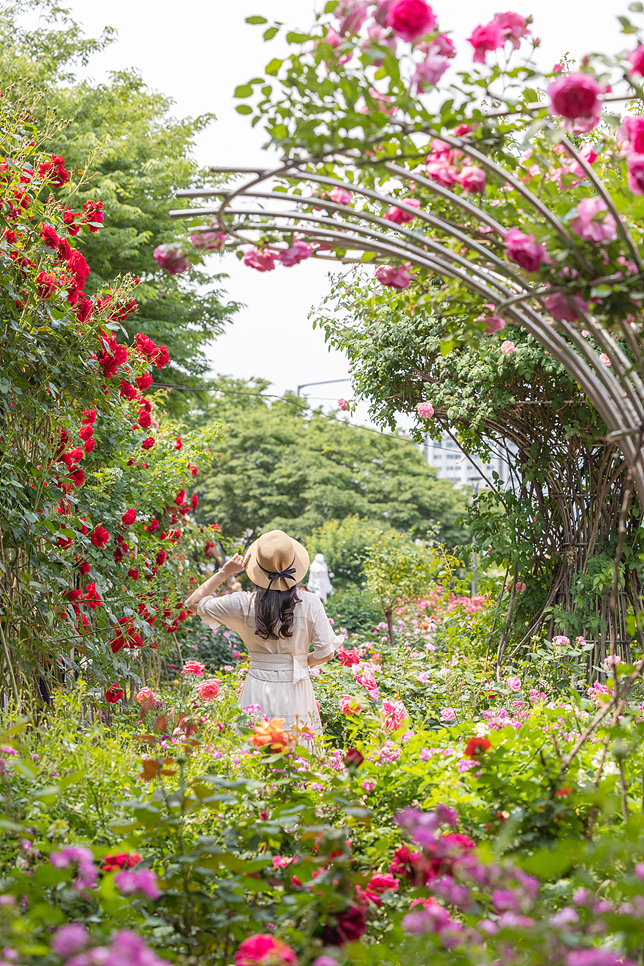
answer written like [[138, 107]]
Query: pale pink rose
[[565, 308], [343, 405], [442, 45], [208, 241], [147, 699], [171, 259], [575, 95], [582, 125], [349, 704], [208, 690], [486, 37], [394, 276], [340, 196], [429, 71], [591, 228], [472, 180], [514, 26], [636, 173], [423, 677], [605, 361], [298, 251], [448, 714], [425, 410], [636, 60], [444, 174], [514, 684], [525, 250], [260, 259], [394, 714], [507, 347], [410, 19], [400, 217], [493, 323]]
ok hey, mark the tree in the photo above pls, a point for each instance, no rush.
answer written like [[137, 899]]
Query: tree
[[139, 156], [345, 544], [282, 465]]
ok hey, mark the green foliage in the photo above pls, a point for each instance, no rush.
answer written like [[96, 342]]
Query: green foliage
[[355, 610], [344, 544]]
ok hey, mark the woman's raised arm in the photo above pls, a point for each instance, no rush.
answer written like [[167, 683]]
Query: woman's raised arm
[[233, 566]]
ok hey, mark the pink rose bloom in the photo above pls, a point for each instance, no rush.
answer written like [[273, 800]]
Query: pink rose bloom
[[632, 134], [367, 680], [395, 713], [400, 217], [193, 667], [208, 690], [340, 196], [147, 699], [144, 882], [69, 939], [605, 361], [425, 410], [514, 684], [353, 17], [349, 705], [369, 787], [423, 677], [564, 307], [636, 173], [442, 45], [410, 19], [448, 714], [507, 347], [209, 241], [525, 250], [493, 323], [171, 258], [260, 259], [472, 180], [575, 95], [394, 276], [332, 38], [264, 950], [429, 71], [444, 174], [343, 405], [484, 38], [514, 26], [591, 228], [636, 60], [298, 251]]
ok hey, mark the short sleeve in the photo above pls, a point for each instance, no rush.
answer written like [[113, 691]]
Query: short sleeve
[[324, 639], [216, 611]]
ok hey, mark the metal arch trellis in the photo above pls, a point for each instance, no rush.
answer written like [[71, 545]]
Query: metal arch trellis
[[255, 207]]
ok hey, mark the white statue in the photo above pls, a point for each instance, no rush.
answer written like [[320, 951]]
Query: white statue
[[319, 582]]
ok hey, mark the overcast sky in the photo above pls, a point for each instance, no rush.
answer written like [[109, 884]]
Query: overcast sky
[[198, 52]]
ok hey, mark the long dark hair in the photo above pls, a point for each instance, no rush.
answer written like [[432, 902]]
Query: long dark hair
[[274, 613]]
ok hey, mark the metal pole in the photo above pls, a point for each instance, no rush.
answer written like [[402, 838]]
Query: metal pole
[[326, 382]]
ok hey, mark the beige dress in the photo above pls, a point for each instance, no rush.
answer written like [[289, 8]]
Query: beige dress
[[278, 679]]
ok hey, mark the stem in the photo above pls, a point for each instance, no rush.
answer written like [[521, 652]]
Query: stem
[[14, 684]]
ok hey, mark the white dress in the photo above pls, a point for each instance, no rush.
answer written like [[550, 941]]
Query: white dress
[[278, 679]]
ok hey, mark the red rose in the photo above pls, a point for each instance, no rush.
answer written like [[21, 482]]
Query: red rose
[[114, 693], [133, 573], [180, 497], [153, 525], [127, 390], [345, 927], [194, 501], [99, 536], [193, 469], [86, 431], [89, 415], [476, 747], [178, 443], [162, 357], [410, 19], [144, 382], [128, 517], [85, 567], [78, 476], [73, 594], [93, 214], [121, 861], [144, 419], [148, 443], [89, 445], [92, 597], [145, 345], [46, 285], [353, 758], [160, 557]]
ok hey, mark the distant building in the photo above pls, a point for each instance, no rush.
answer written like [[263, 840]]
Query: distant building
[[453, 465]]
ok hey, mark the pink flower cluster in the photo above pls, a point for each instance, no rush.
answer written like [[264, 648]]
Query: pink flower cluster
[[493, 35], [442, 166], [84, 859], [125, 947]]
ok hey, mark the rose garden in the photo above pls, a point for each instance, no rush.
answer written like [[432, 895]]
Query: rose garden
[[477, 796]]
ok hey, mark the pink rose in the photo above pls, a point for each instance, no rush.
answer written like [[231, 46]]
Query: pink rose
[[264, 950], [525, 250], [564, 307], [484, 38], [260, 259], [208, 690], [367, 680], [636, 173], [631, 134], [209, 241], [429, 71], [400, 217], [394, 276], [425, 410], [442, 173], [636, 60], [575, 95], [193, 667], [442, 45], [507, 347], [448, 714], [514, 684], [493, 323], [349, 705], [354, 15], [591, 228], [514, 26], [343, 405], [410, 19], [147, 699], [298, 251], [605, 361], [395, 713], [340, 196], [171, 259], [472, 180]]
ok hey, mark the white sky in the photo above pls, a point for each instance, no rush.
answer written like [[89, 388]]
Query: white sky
[[198, 52]]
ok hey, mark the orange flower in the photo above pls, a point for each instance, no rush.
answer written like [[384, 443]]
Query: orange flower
[[271, 734], [476, 747], [563, 792]]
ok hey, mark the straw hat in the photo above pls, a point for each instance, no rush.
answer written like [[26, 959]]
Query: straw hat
[[277, 562]]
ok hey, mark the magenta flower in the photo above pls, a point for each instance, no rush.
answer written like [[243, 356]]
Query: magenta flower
[[340, 196], [444, 174], [87, 871], [472, 180], [491, 36], [514, 684], [297, 253], [69, 939], [636, 173], [355, 15], [171, 259], [400, 217], [514, 26], [605, 361], [636, 60], [429, 71], [493, 323], [394, 276], [343, 405], [576, 97], [525, 250], [589, 226], [565, 308], [143, 882], [410, 19], [208, 241], [260, 259]]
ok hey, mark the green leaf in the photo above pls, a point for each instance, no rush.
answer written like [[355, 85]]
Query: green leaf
[[244, 109], [627, 26], [601, 292], [636, 7], [256, 20], [270, 33], [273, 67], [293, 38], [330, 6], [244, 90]]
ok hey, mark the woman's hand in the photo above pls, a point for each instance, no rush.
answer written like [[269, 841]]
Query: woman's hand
[[234, 566]]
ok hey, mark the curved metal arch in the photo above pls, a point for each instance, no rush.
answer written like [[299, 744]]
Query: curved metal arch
[[616, 392]]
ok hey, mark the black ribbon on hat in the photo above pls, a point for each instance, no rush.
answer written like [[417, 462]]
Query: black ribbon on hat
[[275, 575]]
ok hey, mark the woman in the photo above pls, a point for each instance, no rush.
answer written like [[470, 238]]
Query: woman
[[278, 623]]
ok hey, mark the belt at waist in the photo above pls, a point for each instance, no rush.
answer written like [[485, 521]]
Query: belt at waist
[[281, 662]]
